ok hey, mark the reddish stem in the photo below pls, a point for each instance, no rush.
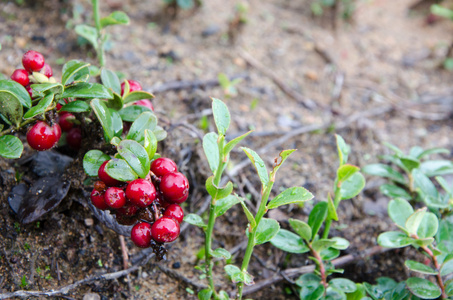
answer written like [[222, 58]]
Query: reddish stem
[[322, 269], [437, 266]]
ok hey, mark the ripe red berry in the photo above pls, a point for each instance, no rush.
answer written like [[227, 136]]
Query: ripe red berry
[[47, 70], [74, 138], [97, 198], [30, 91], [174, 187], [165, 230], [133, 86], [128, 210], [43, 137], [33, 61], [65, 121], [174, 211], [141, 192], [59, 106], [141, 234], [145, 103], [20, 76], [102, 174], [115, 197], [162, 166]]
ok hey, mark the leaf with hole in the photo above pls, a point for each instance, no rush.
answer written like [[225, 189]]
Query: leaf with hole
[[278, 163]]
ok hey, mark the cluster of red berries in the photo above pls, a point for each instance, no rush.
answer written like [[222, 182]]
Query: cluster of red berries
[[67, 124], [136, 86], [152, 204]]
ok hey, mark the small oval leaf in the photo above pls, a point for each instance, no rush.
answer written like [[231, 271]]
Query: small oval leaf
[[10, 147]]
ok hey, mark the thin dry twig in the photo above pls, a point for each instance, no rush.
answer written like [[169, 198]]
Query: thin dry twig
[[177, 276]]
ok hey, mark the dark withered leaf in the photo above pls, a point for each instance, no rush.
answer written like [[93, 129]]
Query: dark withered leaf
[[109, 220]]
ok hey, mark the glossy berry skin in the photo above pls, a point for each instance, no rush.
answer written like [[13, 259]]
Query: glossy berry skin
[[47, 70], [141, 192], [74, 138], [97, 198], [175, 212], [145, 103], [43, 137], [133, 86], [115, 197], [162, 166], [65, 121], [33, 61], [141, 235], [20, 76], [103, 176], [174, 187], [128, 210], [165, 230]]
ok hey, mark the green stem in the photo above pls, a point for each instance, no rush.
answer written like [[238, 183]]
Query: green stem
[[336, 202], [100, 39], [212, 216], [251, 238], [437, 266]]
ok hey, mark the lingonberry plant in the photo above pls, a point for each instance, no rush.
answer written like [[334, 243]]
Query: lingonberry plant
[[348, 184], [260, 230]]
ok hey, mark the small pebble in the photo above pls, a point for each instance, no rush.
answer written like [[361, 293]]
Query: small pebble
[[91, 296], [176, 265], [89, 222]]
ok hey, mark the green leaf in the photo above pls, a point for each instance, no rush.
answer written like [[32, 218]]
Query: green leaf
[[74, 70], [311, 287], [329, 253], [116, 103], [400, 292], [39, 108], [218, 192], [110, 80], [436, 167], [409, 163], [89, 33], [384, 171], [137, 95], [92, 161], [290, 195], [195, 220], [115, 141], [136, 156], [447, 266], [317, 216], [414, 220], [10, 107], [76, 106], [104, 116], [231, 144], [428, 226], [283, 156], [395, 149], [449, 287], [322, 244], [237, 275], [224, 204], [334, 294], [343, 149], [331, 209], [445, 232], [343, 284], [160, 133], [393, 191], [442, 11], [249, 215], [220, 252], [131, 113], [340, 243], [352, 186], [394, 239], [266, 230], [259, 165], [344, 172], [115, 18], [289, 242], [17, 90], [120, 170], [301, 228], [433, 151], [146, 120], [223, 295], [55, 88], [211, 150], [444, 184], [399, 211], [117, 123], [359, 293], [423, 288], [221, 116], [10, 146], [423, 242], [87, 91], [424, 184], [150, 143], [419, 267], [384, 286], [205, 294]]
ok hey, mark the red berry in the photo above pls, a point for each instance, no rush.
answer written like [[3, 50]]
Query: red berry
[[59, 106], [74, 138], [128, 210], [133, 86], [162, 166], [33, 61], [165, 230], [141, 192], [30, 91], [115, 197], [102, 174], [141, 234], [43, 137], [174, 187], [174, 211], [65, 121], [145, 103], [20, 76], [47, 70], [97, 198]]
